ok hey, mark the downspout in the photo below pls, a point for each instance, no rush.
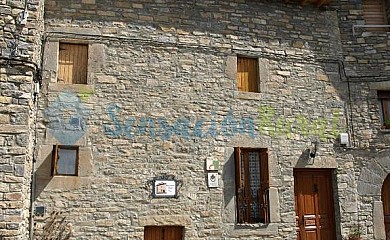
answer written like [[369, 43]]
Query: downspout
[[37, 86]]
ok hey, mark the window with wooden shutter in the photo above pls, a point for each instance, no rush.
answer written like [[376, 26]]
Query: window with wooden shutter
[[374, 13], [384, 108], [73, 63], [65, 160], [247, 74], [252, 185]]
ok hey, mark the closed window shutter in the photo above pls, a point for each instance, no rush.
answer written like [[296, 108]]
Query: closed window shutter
[[239, 183], [72, 63], [374, 13], [264, 201], [247, 74], [54, 160]]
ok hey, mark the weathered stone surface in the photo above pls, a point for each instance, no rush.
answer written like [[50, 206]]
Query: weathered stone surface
[[162, 97]]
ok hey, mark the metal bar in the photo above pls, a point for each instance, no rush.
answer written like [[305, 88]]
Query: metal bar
[[367, 26]]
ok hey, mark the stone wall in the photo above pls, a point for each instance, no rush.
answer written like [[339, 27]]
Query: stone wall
[[19, 68], [162, 97], [367, 65]]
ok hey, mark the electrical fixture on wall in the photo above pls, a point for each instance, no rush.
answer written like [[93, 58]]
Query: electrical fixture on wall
[[22, 19], [344, 139], [314, 148]]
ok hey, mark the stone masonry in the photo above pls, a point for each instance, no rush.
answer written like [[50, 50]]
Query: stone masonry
[[19, 68], [161, 97]]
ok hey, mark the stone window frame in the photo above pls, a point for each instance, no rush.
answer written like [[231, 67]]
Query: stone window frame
[[243, 167], [45, 180], [384, 105], [262, 75], [71, 35], [375, 87], [241, 229]]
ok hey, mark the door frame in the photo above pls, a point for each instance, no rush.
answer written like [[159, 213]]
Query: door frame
[[329, 172]]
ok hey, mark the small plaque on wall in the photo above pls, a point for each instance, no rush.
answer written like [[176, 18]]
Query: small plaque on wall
[[212, 164], [165, 186], [212, 180]]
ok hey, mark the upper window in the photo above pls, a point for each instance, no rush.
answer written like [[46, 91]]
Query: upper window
[[384, 108], [247, 74], [374, 12], [73, 63], [252, 185], [65, 160]]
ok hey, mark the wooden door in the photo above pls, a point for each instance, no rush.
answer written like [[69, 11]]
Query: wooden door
[[314, 204], [163, 233], [386, 204]]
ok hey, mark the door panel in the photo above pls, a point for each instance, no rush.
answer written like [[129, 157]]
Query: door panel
[[153, 233], [386, 204], [314, 204], [163, 233]]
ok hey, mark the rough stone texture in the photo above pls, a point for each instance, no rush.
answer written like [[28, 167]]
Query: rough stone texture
[[162, 97], [166, 98], [19, 50]]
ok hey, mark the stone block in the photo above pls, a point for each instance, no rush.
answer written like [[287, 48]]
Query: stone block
[[5, 99], [13, 196]]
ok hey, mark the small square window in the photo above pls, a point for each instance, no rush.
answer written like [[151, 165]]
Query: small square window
[[247, 74], [65, 160], [252, 185], [384, 108], [72, 63], [374, 13]]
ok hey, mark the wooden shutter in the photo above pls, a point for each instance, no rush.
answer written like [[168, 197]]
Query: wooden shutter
[[384, 98], [247, 74], [72, 63], [374, 13], [264, 175], [264, 168], [237, 154], [239, 184], [54, 160]]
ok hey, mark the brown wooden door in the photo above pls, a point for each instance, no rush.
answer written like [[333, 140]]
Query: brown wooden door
[[163, 233], [314, 204], [386, 204]]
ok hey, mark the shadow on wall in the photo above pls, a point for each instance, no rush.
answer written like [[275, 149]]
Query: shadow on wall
[[228, 177], [43, 176], [305, 159]]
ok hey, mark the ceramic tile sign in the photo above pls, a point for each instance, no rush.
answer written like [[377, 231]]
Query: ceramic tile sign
[[165, 188], [212, 179], [212, 164]]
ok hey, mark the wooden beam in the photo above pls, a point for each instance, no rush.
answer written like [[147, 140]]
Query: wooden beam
[[319, 3], [305, 2]]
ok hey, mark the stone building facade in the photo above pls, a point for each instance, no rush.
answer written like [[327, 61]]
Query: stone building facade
[[161, 98], [20, 45]]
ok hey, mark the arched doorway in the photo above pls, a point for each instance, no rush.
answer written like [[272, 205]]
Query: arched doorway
[[386, 204]]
